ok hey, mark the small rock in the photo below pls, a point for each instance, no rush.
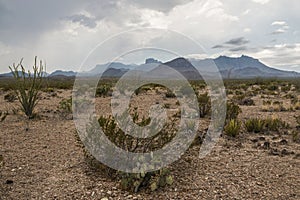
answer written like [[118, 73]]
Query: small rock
[[274, 152], [9, 182], [254, 140], [104, 198], [109, 192], [283, 142]]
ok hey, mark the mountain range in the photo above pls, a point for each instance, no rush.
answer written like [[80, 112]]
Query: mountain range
[[228, 67]]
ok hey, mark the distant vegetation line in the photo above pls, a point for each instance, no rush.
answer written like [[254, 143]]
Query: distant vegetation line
[[6, 83]]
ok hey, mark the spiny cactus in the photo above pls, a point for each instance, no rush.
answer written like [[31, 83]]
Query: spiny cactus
[[28, 85]]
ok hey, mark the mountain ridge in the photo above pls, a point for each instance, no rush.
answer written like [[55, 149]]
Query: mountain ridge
[[229, 68]]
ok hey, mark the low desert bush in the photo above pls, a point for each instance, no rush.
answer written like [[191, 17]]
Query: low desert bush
[[295, 103], [66, 105], [142, 89], [276, 106], [204, 104], [104, 90], [170, 94], [274, 124], [233, 110], [257, 125], [136, 181], [232, 128], [272, 87]]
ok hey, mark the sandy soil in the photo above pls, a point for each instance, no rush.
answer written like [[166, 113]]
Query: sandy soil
[[46, 162]]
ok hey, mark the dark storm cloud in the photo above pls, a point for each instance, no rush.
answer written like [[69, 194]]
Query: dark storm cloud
[[237, 41], [24, 21]]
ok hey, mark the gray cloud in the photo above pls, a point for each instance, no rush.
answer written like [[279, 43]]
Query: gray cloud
[[83, 20], [283, 27], [242, 48], [51, 28], [278, 31], [24, 21], [219, 46], [159, 5], [237, 41]]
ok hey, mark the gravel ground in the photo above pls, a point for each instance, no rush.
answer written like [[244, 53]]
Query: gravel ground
[[46, 162]]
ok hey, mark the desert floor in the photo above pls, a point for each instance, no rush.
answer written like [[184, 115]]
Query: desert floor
[[46, 161]]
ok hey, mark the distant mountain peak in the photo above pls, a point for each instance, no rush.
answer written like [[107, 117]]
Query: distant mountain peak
[[234, 58], [63, 73], [151, 60]]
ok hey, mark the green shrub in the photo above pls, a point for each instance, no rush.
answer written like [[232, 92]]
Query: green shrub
[[272, 87], [153, 180], [66, 105], [286, 88], [239, 92], [170, 94], [135, 181], [232, 128], [274, 124], [143, 89], [233, 110], [255, 125], [27, 86], [48, 90], [267, 102], [204, 104], [104, 90]]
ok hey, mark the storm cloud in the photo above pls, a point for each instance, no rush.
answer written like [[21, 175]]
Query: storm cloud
[[49, 29]]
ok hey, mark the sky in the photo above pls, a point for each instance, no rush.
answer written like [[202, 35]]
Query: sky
[[63, 33]]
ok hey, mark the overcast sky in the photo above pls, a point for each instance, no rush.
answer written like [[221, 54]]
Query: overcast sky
[[63, 32]]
